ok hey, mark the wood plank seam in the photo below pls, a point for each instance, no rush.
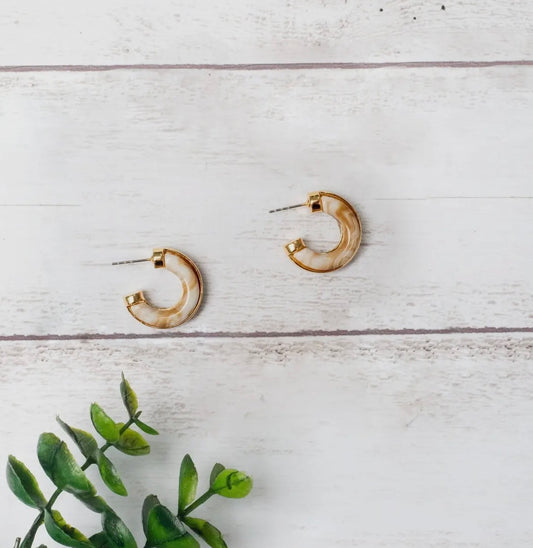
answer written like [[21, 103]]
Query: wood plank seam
[[269, 334], [266, 66]]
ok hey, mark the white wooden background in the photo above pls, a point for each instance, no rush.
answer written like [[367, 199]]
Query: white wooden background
[[387, 404]]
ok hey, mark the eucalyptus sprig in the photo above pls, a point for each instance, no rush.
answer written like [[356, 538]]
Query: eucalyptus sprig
[[162, 528]]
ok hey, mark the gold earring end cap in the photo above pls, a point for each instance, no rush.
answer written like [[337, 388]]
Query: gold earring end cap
[[134, 298], [314, 201], [295, 246], [158, 258]]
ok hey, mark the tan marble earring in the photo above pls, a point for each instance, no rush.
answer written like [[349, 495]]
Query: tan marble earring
[[189, 302], [350, 229]]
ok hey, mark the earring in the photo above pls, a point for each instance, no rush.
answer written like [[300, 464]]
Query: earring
[[350, 228], [192, 291]]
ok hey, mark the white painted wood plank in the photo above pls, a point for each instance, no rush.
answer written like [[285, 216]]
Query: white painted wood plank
[[358, 441], [246, 31], [100, 167]]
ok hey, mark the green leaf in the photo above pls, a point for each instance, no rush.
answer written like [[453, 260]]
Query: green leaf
[[110, 475], [208, 532], [59, 464], [128, 396], [232, 484], [186, 541], [104, 424], [145, 428], [96, 504], [188, 483], [132, 443], [63, 533], [23, 484], [118, 535], [85, 441], [162, 526], [215, 472], [100, 540], [149, 502]]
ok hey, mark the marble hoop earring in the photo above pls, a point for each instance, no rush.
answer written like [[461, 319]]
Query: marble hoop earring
[[189, 302], [350, 229]]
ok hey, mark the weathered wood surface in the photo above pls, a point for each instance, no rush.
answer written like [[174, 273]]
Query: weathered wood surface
[[279, 31], [100, 167], [353, 441], [417, 435]]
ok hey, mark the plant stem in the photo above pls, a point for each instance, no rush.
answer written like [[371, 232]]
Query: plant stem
[[199, 501], [30, 535], [53, 498]]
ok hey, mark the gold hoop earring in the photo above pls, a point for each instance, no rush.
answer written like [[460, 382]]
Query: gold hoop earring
[[192, 291], [350, 229]]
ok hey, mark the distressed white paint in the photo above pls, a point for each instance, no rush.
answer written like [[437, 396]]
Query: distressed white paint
[[367, 441], [353, 441], [248, 31], [437, 162]]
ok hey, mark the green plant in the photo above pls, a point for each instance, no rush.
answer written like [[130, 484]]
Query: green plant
[[162, 528]]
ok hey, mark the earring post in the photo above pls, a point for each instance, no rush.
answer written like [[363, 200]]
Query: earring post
[[130, 262], [285, 208]]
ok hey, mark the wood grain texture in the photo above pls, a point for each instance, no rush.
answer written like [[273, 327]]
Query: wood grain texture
[[280, 31], [103, 167], [378, 441], [416, 436]]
